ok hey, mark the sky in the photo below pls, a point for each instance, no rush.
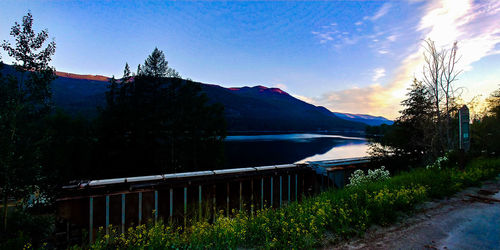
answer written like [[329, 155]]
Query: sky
[[349, 56]]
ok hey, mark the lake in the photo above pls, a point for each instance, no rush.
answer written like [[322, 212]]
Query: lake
[[262, 150]]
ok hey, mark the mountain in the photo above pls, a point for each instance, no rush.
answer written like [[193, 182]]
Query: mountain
[[247, 109], [366, 119], [271, 109]]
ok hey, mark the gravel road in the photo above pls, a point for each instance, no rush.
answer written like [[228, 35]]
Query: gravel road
[[467, 220]]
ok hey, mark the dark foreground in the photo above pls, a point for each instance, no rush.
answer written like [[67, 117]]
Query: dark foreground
[[467, 220]]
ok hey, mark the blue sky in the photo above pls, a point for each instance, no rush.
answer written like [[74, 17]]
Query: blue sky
[[349, 56]]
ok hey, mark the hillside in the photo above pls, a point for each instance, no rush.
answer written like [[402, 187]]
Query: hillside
[[247, 109]]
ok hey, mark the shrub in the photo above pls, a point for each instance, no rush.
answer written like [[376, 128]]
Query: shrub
[[359, 177]]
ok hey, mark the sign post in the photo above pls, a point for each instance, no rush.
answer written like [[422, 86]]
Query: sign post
[[464, 132]]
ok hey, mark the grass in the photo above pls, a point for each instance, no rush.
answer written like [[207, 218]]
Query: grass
[[343, 213]]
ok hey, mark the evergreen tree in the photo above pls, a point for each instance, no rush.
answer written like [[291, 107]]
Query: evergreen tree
[[126, 72], [160, 124], [157, 66], [139, 70], [409, 139]]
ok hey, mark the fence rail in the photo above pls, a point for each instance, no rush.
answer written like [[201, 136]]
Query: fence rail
[[180, 197]]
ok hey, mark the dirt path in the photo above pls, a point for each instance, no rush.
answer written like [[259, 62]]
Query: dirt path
[[468, 220]]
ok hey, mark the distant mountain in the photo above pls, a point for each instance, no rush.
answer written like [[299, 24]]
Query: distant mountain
[[247, 109], [366, 119], [271, 109]]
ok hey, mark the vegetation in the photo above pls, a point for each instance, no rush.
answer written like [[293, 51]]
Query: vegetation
[[331, 216], [165, 123], [359, 177], [153, 119], [24, 102], [428, 125]]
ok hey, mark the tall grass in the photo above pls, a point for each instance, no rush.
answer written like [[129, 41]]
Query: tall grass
[[343, 213]]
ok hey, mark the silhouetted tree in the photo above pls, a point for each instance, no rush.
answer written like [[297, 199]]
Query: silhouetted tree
[[139, 70], [409, 138], [126, 72], [485, 134], [157, 66], [25, 98], [155, 125]]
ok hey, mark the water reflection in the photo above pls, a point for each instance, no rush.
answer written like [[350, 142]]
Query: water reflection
[[261, 150]]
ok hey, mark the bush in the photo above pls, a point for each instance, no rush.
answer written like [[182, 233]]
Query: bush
[[359, 177]]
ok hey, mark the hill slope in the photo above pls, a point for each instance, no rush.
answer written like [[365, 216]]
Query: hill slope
[[247, 109]]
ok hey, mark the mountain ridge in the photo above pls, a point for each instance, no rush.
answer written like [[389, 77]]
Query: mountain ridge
[[248, 109]]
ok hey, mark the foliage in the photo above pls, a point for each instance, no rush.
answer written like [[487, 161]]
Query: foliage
[[409, 140], [26, 227], [343, 213], [485, 131], [166, 124], [359, 177], [439, 163], [157, 66], [25, 98]]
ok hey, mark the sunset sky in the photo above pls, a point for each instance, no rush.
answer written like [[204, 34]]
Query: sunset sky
[[348, 56]]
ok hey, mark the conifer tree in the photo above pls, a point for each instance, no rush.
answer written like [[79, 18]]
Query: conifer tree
[[157, 66]]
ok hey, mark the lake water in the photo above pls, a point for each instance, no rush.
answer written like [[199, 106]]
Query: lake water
[[262, 150]]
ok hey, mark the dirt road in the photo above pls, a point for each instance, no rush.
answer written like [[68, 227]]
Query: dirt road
[[468, 220]]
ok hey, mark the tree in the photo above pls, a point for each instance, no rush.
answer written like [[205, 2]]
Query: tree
[[25, 98], [126, 72], [416, 119], [160, 124], [408, 139], [486, 129], [157, 66], [439, 74], [139, 70]]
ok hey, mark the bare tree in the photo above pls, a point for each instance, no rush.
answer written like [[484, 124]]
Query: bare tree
[[439, 74]]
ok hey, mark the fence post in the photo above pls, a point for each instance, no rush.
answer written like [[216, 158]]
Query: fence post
[[251, 197], [199, 201], [296, 184], [91, 219], [171, 212], [123, 213], [140, 208], [241, 199], [107, 214], [262, 193], [185, 207], [156, 205], [215, 201], [271, 191], [227, 199], [281, 189], [289, 194]]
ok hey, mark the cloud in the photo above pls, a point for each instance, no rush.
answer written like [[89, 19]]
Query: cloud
[[358, 23], [380, 13], [377, 74], [303, 98], [473, 24], [324, 36], [280, 86], [392, 38]]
